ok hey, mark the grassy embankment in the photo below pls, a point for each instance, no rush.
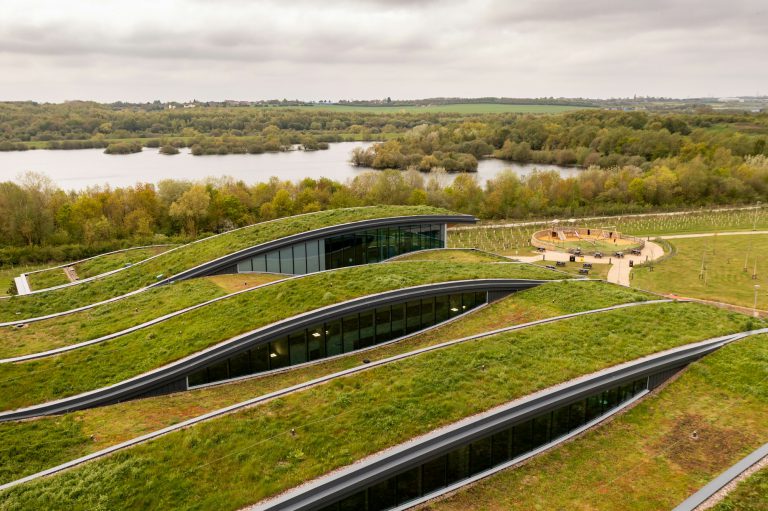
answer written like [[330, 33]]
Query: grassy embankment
[[112, 317], [189, 256], [92, 267], [35, 445], [750, 494], [655, 455], [115, 360], [722, 258], [336, 424]]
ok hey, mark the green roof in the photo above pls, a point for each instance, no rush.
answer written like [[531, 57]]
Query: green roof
[[188, 256]]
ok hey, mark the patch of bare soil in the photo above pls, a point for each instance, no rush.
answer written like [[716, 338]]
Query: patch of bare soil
[[696, 445]]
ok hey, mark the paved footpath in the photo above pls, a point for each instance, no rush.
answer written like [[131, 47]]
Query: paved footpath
[[619, 270]]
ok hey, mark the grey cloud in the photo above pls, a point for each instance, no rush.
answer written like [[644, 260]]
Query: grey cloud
[[380, 47]]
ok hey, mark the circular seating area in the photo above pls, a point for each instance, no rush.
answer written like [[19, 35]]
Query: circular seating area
[[585, 240]]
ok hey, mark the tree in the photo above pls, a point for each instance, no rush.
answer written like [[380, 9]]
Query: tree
[[191, 208]]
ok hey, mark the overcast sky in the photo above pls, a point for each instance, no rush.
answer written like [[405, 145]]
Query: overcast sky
[[331, 49]]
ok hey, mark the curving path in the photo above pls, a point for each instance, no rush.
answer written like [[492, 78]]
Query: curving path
[[303, 386], [619, 270]]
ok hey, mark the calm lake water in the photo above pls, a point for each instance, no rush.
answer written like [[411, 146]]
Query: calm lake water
[[77, 169]]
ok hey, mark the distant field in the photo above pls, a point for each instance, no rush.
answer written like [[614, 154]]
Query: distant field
[[461, 108]]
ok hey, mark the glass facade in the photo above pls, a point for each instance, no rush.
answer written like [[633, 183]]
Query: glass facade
[[360, 247], [342, 335], [485, 453]]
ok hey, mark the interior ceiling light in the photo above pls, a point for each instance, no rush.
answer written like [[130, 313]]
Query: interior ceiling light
[[315, 334], [273, 355], [454, 309]]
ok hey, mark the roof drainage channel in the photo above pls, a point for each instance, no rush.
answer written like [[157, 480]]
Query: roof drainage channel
[[172, 373], [305, 385], [354, 478]]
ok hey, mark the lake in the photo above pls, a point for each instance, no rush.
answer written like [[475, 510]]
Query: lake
[[77, 169]]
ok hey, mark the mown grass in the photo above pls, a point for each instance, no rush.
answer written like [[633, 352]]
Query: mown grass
[[244, 457], [750, 494], [655, 455], [459, 256], [189, 256], [30, 449], [112, 317], [115, 360], [722, 258]]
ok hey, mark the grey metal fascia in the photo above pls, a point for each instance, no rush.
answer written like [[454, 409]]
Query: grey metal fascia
[[146, 382], [347, 481], [311, 383], [332, 230], [717, 484]]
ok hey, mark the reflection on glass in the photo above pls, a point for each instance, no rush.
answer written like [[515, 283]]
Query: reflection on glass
[[480, 455], [353, 332]]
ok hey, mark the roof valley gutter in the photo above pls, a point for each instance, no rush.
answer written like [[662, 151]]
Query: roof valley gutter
[[324, 379]]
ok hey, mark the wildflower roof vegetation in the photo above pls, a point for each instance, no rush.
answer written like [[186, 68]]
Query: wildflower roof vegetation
[[115, 316], [31, 446], [191, 255], [92, 266], [655, 455], [241, 458], [115, 360]]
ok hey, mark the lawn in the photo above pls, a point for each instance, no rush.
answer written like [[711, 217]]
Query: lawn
[[112, 317], [126, 356], [459, 256], [750, 494], [244, 457], [722, 258], [189, 256], [655, 455], [58, 439]]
